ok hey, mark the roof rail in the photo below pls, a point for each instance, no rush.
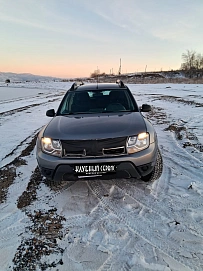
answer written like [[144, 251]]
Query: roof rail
[[120, 83], [76, 85]]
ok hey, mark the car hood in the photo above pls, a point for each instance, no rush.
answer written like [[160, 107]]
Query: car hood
[[94, 126]]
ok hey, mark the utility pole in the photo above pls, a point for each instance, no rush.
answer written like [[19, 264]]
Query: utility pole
[[119, 71], [97, 75]]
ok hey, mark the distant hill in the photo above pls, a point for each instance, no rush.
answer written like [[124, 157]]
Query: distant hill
[[22, 77]]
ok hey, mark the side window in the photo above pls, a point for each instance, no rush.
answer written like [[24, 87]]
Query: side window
[[130, 102], [66, 106]]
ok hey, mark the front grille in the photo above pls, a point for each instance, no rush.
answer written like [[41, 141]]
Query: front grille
[[114, 151], [97, 147]]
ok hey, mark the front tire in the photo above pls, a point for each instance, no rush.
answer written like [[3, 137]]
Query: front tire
[[157, 171]]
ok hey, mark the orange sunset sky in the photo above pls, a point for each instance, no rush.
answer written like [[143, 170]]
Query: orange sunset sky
[[73, 38]]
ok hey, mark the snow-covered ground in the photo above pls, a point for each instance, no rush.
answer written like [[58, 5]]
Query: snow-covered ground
[[102, 225]]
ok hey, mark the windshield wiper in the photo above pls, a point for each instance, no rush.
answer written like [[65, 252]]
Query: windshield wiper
[[77, 113], [122, 111], [66, 114]]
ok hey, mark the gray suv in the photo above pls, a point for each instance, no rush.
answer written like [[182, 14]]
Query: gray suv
[[98, 131]]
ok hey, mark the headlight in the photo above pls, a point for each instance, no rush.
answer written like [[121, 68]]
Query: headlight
[[137, 143], [51, 146]]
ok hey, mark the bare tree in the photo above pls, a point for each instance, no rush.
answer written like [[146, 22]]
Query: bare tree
[[189, 60], [192, 63], [199, 61]]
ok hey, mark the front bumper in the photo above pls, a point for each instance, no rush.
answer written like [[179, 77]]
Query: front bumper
[[127, 166]]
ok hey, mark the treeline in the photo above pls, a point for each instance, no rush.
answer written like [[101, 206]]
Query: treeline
[[192, 64]]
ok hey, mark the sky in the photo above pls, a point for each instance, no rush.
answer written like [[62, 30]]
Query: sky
[[73, 38]]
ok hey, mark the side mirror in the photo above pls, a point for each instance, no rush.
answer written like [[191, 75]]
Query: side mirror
[[50, 113], [146, 108]]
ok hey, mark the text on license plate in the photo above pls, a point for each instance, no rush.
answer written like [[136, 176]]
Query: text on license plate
[[94, 169]]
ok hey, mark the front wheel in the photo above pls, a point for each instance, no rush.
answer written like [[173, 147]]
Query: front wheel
[[157, 171]]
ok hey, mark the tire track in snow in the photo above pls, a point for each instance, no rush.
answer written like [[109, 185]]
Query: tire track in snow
[[20, 109], [9, 234], [80, 221], [186, 139], [9, 230], [49, 197], [7, 221], [190, 172], [51, 193], [175, 99], [107, 265], [127, 252], [80, 228], [161, 186], [28, 101], [19, 148], [13, 221], [9, 172], [141, 226], [172, 210]]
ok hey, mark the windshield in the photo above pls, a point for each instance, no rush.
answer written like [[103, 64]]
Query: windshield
[[97, 101]]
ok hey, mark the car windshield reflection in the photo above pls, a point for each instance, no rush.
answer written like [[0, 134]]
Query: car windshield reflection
[[98, 101]]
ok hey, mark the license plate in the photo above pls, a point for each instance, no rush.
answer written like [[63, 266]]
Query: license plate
[[94, 169]]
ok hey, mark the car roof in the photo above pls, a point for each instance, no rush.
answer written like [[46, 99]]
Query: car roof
[[97, 86]]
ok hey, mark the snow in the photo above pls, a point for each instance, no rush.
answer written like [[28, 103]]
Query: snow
[[10, 93], [116, 224]]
